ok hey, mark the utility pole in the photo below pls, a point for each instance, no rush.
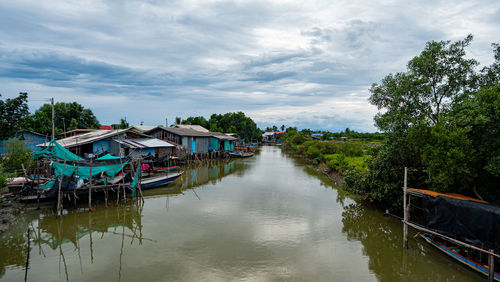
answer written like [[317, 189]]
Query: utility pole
[[53, 126]]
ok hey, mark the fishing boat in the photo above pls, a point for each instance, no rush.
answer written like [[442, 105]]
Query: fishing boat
[[159, 181], [455, 253], [240, 154], [464, 228], [161, 170]]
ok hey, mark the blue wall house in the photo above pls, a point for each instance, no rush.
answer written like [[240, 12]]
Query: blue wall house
[[224, 142], [193, 141], [31, 140]]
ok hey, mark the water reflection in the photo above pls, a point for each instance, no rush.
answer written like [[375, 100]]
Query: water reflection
[[210, 172], [382, 239]]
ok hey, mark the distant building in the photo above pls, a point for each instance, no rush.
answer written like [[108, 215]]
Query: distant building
[[271, 136], [317, 136]]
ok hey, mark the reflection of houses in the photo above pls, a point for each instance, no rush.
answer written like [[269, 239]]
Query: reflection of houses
[[271, 136], [121, 142], [30, 139]]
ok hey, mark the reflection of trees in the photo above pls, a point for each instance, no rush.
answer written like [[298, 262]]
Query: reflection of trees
[[70, 228], [13, 244], [382, 239]]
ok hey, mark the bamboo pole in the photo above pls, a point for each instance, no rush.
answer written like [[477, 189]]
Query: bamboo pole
[[59, 204], [90, 187], [405, 210]]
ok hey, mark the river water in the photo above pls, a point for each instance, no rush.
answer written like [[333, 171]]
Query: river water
[[264, 218]]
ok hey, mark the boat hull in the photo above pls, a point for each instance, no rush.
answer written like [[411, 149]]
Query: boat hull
[[159, 181], [468, 262]]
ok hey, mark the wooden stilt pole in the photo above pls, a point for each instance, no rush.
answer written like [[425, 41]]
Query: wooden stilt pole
[[491, 267], [59, 198], [90, 187], [405, 210]]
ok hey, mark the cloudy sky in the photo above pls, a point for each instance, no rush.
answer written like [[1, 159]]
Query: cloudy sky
[[300, 63]]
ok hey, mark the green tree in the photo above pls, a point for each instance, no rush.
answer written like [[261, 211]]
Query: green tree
[[13, 113], [438, 125], [76, 114], [17, 155], [423, 93]]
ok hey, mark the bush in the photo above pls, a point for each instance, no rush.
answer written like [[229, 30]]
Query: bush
[[3, 177], [17, 155]]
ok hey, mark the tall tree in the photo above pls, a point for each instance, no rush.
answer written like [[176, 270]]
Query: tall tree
[[12, 114], [434, 79], [70, 115]]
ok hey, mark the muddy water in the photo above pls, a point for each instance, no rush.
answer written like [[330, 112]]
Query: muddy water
[[264, 218]]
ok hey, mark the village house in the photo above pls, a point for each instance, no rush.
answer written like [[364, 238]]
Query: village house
[[195, 142], [121, 142]]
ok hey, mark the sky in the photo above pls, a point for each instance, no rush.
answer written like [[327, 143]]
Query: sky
[[308, 64]]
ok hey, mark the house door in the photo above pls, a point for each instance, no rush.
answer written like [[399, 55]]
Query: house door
[[193, 146]]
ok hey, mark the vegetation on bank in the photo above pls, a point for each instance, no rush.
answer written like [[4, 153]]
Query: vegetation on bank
[[440, 119], [341, 157]]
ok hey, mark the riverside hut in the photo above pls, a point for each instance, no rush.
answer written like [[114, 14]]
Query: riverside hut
[[195, 142]]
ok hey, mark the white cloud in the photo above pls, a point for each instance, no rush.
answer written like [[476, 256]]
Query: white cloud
[[307, 63]]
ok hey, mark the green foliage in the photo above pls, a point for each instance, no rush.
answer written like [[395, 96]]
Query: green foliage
[[238, 123], [441, 120], [424, 92], [17, 155], [66, 116], [12, 115], [3, 177]]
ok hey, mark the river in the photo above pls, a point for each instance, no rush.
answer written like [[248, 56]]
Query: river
[[264, 218]]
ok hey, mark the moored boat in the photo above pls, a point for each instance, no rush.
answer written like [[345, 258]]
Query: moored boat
[[456, 254], [240, 154], [159, 181]]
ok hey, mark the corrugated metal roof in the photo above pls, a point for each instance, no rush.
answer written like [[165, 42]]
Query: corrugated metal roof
[[222, 136], [185, 132], [144, 143], [90, 137], [143, 128], [193, 127]]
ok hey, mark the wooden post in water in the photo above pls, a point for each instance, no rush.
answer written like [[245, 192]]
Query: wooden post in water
[[405, 210], [491, 267], [90, 187]]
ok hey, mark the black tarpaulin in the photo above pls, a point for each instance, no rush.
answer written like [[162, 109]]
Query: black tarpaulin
[[472, 222]]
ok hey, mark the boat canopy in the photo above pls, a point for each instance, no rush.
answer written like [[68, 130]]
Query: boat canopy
[[460, 217]]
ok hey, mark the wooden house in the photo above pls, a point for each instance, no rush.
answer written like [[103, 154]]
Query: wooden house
[[193, 141]]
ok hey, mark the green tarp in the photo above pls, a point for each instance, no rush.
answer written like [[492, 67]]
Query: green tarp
[[48, 185], [108, 157], [84, 172], [55, 150], [134, 182]]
